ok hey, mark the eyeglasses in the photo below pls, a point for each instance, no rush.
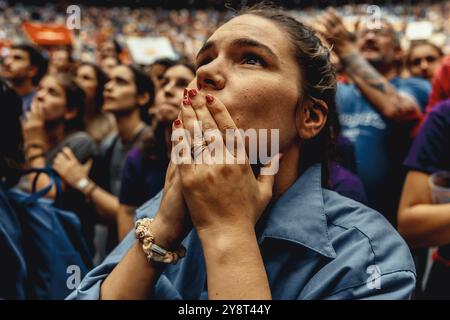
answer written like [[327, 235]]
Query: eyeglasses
[[429, 59]]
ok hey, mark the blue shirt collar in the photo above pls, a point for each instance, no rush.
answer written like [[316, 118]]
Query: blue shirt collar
[[299, 215]]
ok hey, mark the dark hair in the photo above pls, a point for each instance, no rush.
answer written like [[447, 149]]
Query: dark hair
[[169, 63], [36, 59], [74, 100], [166, 62], [318, 80], [11, 143], [419, 43], [143, 84], [117, 47], [101, 81]]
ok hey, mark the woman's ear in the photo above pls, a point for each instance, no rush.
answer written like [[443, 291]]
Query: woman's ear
[[311, 118], [143, 99]]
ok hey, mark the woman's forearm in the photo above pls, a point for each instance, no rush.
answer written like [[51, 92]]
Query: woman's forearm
[[125, 220], [131, 279], [106, 203], [425, 225], [134, 277], [234, 265]]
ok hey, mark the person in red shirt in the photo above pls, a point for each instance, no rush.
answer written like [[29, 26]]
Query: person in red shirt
[[441, 84], [440, 89]]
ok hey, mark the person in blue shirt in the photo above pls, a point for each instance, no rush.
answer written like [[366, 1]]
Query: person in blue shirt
[[377, 109], [250, 236], [23, 67]]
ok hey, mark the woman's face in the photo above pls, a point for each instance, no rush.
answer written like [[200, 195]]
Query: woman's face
[[87, 80], [120, 91], [108, 64], [52, 98], [170, 95], [424, 61], [249, 65], [157, 73]]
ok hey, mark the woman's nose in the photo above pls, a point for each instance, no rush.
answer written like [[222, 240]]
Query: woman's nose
[[211, 76], [169, 90], [424, 64], [40, 95], [108, 86]]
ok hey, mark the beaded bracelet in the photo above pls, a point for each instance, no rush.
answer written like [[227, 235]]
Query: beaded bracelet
[[154, 252]]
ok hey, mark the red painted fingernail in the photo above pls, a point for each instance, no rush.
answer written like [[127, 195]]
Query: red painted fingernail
[[209, 98], [177, 122], [186, 102], [192, 93]]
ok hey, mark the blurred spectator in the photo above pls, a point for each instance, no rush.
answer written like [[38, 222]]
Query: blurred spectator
[[127, 94], [377, 110], [440, 89], [24, 67], [157, 70], [423, 59], [109, 48], [61, 60], [145, 167], [53, 125], [99, 124], [421, 221], [107, 64]]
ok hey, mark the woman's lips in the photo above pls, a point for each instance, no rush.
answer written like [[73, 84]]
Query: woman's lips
[[167, 106]]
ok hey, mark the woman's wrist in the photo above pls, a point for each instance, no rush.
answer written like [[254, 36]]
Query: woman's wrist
[[227, 238], [38, 136], [89, 189], [167, 235]]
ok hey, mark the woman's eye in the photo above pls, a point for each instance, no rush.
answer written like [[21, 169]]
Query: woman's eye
[[203, 62], [182, 83], [253, 60], [164, 83]]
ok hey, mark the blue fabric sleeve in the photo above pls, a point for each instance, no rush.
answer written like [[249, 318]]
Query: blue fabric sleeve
[[392, 286], [89, 288]]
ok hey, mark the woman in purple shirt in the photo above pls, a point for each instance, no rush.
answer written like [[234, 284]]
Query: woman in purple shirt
[[145, 167], [421, 222]]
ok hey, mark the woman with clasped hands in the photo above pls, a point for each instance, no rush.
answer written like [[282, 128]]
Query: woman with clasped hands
[[248, 235]]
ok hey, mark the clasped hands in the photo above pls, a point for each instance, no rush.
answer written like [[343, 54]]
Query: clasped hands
[[219, 198]]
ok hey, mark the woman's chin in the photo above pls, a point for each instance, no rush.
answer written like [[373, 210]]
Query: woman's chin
[[167, 114]]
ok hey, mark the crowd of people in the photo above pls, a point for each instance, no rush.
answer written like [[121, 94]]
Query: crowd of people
[[363, 126], [188, 29]]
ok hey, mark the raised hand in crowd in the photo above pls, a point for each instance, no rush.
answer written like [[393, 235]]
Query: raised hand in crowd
[[372, 80], [72, 172]]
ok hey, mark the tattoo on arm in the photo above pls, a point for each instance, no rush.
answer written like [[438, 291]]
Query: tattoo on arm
[[357, 66]]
